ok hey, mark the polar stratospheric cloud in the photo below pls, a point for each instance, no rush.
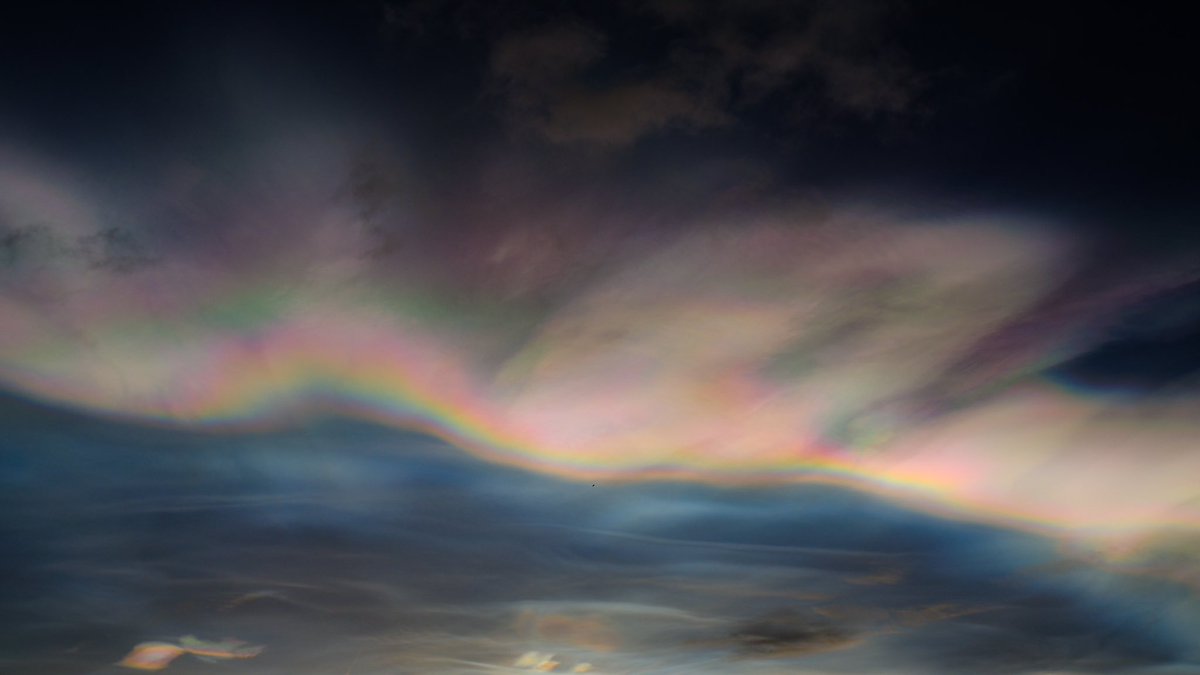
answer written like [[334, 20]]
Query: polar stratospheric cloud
[[624, 338]]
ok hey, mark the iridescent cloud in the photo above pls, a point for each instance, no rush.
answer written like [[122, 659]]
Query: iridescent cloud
[[784, 346]]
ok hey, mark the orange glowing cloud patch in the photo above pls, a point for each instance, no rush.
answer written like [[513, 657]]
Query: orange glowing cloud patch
[[152, 656], [159, 655], [586, 632]]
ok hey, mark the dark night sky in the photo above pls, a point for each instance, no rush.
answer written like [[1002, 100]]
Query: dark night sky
[[1051, 105]]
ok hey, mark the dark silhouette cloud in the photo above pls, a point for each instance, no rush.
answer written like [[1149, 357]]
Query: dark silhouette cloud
[[576, 82]]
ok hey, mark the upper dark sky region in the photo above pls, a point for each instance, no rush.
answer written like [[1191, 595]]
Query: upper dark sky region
[[616, 337]]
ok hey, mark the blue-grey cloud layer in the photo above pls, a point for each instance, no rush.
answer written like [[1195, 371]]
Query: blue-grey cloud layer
[[323, 547]]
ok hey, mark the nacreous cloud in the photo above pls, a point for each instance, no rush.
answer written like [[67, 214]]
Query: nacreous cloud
[[846, 346]]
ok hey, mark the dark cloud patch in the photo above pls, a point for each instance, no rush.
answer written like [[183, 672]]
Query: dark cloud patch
[[32, 248], [542, 73], [830, 55], [28, 245], [789, 633], [117, 250], [609, 77]]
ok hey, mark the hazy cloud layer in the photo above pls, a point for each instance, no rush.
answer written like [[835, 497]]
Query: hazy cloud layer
[[324, 550]]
